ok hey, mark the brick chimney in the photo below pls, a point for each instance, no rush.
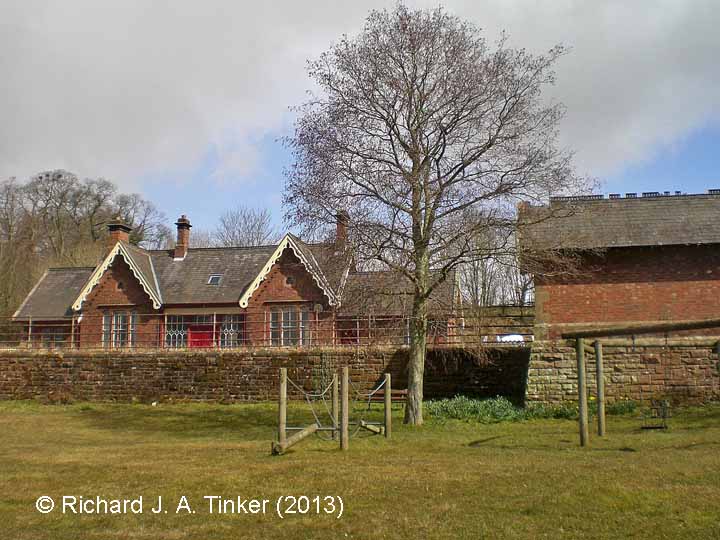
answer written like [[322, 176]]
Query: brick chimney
[[342, 219], [118, 231], [183, 237]]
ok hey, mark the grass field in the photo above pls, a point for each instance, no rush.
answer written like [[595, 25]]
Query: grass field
[[445, 480]]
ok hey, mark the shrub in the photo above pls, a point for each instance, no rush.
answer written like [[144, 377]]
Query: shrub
[[623, 406], [500, 409]]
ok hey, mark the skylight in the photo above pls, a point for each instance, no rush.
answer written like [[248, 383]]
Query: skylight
[[214, 279]]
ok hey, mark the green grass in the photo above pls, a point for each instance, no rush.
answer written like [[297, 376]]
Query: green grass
[[454, 479]]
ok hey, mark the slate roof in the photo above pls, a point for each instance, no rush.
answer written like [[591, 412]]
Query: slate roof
[[185, 282], [54, 293], [595, 222], [389, 293], [334, 263], [143, 262]]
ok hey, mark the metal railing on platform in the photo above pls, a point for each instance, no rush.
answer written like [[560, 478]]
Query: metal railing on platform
[[120, 327]]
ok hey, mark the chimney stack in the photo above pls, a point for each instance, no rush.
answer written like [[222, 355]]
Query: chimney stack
[[183, 237], [342, 219], [118, 231]]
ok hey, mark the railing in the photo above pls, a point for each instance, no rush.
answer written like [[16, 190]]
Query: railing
[[283, 326]]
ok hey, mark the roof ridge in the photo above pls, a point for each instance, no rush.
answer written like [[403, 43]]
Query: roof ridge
[[72, 268], [642, 196], [218, 248]]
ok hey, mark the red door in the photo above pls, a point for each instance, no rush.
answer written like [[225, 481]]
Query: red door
[[200, 336]]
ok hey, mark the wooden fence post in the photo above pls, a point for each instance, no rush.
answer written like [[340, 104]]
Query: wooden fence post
[[282, 410], [344, 412], [582, 392], [278, 448], [335, 406], [600, 379], [388, 406]]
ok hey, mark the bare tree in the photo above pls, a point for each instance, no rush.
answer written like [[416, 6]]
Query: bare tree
[[57, 219], [245, 226], [427, 136]]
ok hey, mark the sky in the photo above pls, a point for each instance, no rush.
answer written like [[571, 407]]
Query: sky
[[186, 102]]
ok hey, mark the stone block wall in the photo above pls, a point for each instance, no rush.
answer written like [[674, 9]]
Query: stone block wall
[[252, 375], [684, 370]]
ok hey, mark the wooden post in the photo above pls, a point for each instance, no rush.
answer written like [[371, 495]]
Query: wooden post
[[29, 336], [582, 392], [335, 406], [600, 379], [282, 410], [388, 407], [279, 448], [344, 412], [377, 430]]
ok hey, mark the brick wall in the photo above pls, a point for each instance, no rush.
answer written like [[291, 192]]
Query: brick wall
[[119, 290], [685, 370], [276, 290], [246, 376], [631, 285]]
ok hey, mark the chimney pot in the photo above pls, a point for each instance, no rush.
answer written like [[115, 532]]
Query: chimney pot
[[183, 237]]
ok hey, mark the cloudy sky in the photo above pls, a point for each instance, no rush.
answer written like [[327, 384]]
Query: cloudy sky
[[185, 101]]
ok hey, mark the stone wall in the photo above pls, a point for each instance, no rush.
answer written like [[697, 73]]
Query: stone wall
[[246, 375], [684, 370]]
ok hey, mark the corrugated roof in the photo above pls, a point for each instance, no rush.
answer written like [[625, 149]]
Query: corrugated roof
[[596, 222], [54, 293]]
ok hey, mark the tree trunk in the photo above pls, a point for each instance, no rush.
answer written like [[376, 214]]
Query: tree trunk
[[416, 362]]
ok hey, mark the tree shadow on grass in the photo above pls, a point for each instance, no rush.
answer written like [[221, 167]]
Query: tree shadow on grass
[[480, 442]]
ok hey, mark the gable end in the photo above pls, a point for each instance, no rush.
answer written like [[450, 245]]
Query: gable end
[[119, 249], [318, 277]]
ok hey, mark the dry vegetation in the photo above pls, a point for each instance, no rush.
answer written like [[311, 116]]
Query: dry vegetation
[[469, 480]]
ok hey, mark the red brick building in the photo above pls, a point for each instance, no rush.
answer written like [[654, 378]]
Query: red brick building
[[288, 294], [640, 259]]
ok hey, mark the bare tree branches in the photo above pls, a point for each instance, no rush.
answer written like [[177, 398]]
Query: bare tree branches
[[429, 138], [245, 226], [57, 219]]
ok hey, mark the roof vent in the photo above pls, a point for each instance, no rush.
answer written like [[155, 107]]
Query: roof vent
[[630, 195], [614, 196], [651, 194]]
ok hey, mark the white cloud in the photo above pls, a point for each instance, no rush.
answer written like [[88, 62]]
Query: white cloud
[[129, 89]]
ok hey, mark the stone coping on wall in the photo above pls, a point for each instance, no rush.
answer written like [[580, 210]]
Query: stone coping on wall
[[688, 341], [254, 351]]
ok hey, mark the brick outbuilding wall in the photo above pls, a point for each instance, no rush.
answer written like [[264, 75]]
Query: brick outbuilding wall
[[631, 285]]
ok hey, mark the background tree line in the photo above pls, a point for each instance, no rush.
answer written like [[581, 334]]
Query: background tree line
[[58, 219]]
